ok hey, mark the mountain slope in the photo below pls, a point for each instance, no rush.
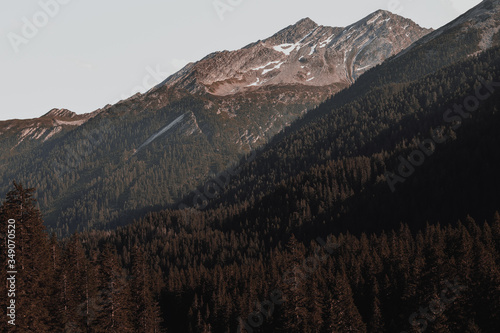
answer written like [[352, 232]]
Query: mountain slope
[[249, 248], [375, 115], [473, 32], [330, 175], [478, 29], [148, 151], [454, 42]]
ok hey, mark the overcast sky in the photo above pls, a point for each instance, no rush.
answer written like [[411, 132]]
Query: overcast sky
[[84, 54]]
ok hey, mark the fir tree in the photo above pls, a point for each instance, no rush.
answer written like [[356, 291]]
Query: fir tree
[[145, 309], [114, 308], [33, 280], [343, 313]]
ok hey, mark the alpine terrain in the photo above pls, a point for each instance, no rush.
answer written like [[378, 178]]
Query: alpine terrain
[[320, 180], [150, 150]]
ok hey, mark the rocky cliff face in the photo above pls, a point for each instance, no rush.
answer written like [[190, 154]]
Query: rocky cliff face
[[304, 53], [43, 128]]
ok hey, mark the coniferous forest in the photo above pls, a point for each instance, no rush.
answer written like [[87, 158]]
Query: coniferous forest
[[162, 275], [375, 211], [327, 248]]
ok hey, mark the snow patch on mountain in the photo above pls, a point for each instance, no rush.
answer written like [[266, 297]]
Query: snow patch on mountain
[[160, 133], [262, 67], [264, 72], [287, 49]]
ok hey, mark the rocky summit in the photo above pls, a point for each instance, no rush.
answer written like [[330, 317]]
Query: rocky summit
[[304, 53]]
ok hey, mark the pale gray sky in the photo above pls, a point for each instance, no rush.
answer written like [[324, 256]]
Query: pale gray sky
[[84, 54]]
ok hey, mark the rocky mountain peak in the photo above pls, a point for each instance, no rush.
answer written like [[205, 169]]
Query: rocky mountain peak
[[293, 33], [304, 53], [305, 21], [60, 113]]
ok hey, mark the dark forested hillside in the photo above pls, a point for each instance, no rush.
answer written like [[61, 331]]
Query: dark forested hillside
[[59, 287], [309, 237], [330, 177], [204, 277], [338, 163], [95, 170], [102, 173]]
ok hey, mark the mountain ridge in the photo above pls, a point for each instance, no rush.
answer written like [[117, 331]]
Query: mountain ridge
[[303, 53], [484, 16], [45, 127]]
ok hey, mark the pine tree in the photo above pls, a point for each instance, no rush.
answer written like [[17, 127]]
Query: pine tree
[[315, 320], [114, 295], [78, 286], [56, 263], [294, 288], [33, 280], [495, 230], [145, 309], [376, 323], [343, 313]]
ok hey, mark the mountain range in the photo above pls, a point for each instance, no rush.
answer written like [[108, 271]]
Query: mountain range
[[231, 102], [151, 150], [237, 196]]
